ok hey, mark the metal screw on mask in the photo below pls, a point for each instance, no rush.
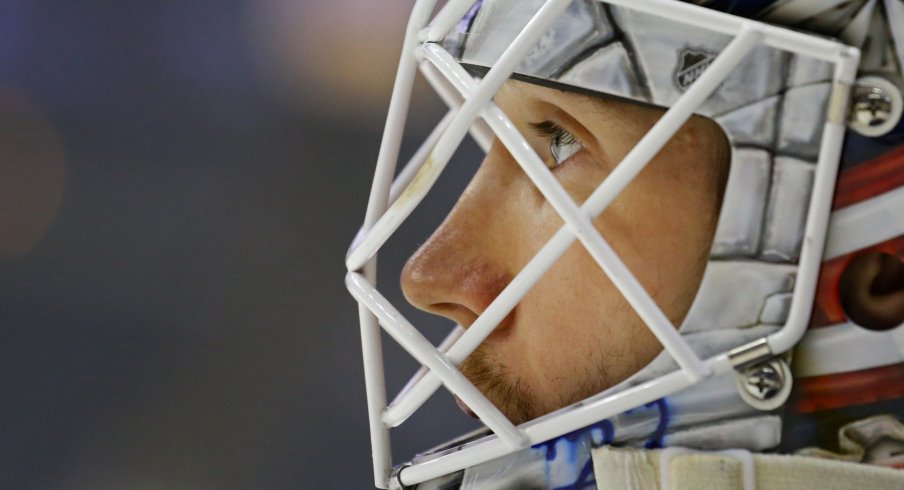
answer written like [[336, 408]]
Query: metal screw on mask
[[872, 106], [876, 106], [765, 385]]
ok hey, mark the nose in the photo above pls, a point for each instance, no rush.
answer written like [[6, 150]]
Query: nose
[[466, 263]]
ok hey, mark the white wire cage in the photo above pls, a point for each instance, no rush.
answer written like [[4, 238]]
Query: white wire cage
[[471, 110]]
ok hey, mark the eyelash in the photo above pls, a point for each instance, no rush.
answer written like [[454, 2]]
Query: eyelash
[[557, 135]]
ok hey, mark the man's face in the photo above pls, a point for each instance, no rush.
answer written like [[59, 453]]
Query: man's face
[[573, 334]]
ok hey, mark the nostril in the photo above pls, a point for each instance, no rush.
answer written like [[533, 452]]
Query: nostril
[[466, 317], [462, 315]]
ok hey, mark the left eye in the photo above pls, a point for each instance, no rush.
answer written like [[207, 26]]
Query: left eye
[[563, 145]]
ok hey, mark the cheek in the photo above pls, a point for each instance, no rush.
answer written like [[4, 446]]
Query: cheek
[[663, 249], [662, 226], [579, 331]]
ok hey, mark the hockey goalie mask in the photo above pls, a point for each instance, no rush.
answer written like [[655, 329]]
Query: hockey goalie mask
[[674, 169]]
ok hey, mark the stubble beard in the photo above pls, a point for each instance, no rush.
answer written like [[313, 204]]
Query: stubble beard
[[513, 396], [507, 391]]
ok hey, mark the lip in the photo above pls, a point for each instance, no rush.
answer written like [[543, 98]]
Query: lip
[[465, 408]]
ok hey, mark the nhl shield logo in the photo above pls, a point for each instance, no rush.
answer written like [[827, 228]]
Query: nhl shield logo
[[691, 63]]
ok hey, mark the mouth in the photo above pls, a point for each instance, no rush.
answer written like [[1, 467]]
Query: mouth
[[465, 408]]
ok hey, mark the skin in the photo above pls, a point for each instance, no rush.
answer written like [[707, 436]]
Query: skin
[[573, 335]]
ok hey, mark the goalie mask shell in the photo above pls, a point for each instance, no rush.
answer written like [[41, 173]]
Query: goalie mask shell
[[776, 106]]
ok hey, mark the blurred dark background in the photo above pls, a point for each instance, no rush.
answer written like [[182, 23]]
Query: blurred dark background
[[179, 182]]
